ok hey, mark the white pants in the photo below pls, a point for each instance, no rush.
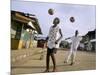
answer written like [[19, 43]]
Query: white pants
[[71, 56]]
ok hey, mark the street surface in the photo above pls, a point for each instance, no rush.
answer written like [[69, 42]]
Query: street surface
[[33, 64]]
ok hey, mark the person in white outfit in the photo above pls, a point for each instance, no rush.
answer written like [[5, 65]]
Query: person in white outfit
[[52, 43], [75, 43]]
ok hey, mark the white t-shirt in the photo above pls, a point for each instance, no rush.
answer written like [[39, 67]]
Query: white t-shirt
[[75, 42], [53, 36]]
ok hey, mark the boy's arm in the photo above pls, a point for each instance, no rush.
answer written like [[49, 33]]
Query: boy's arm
[[60, 36], [47, 38], [67, 38], [48, 35]]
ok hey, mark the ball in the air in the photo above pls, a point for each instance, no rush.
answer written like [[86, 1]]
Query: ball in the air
[[51, 11], [72, 19]]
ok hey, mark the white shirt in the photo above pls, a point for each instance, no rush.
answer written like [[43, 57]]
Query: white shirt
[[53, 36], [75, 42]]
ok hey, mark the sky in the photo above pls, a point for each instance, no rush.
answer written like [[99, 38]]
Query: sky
[[85, 16]]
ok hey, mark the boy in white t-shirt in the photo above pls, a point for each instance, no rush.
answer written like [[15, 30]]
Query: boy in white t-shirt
[[52, 43], [75, 43]]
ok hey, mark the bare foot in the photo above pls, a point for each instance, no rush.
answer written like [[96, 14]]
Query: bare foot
[[65, 61], [71, 63], [54, 70], [46, 71]]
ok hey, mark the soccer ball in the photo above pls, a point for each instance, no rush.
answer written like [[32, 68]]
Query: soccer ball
[[72, 19], [50, 11]]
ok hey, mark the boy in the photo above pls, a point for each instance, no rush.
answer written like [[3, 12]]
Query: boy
[[75, 43], [53, 43]]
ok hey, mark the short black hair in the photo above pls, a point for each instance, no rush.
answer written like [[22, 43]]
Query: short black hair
[[76, 31], [56, 18]]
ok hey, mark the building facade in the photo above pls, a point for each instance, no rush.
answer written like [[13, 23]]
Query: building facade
[[23, 28], [88, 42]]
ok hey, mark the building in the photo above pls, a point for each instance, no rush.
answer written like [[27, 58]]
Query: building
[[23, 28], [89, 41], [40, 41]]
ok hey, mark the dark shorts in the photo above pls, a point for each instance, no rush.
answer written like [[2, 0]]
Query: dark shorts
[[50, 51]]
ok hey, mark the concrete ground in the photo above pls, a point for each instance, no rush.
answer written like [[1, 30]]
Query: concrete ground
[[33, 64]]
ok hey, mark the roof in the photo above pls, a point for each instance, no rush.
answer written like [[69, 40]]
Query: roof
[[40, 38], [91, 32], [25, 18]]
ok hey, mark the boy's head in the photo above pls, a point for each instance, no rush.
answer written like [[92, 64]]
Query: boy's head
[[76, 32], [56, 21]]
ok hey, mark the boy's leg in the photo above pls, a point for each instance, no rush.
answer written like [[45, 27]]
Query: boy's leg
[[47, 61], [69, 57], [73, 57], [54, 62]]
